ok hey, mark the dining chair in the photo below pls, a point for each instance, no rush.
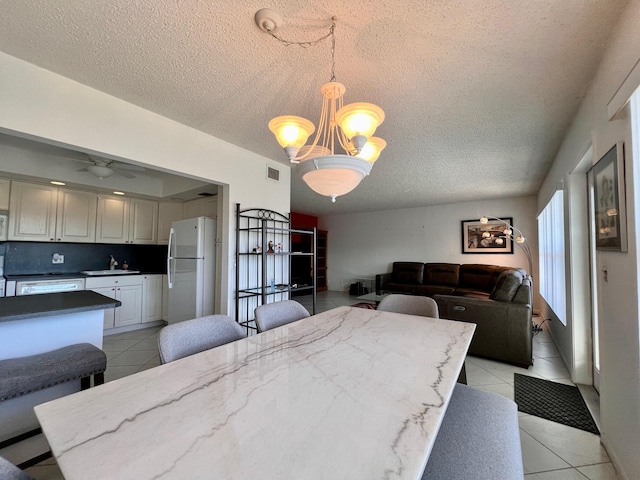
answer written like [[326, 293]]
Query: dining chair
[[410, 304], [416, 305], [189, 337], [8, 471], [272, 315]]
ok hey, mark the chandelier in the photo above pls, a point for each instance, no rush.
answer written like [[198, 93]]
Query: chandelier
[[349, 127], [513, 234]]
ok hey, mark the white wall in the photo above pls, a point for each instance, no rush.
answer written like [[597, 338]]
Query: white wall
[[365, 244], [41, 105], [618, 297]]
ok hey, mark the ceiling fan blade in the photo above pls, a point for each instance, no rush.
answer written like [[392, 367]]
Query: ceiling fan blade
[[126, 166], [124, 174]]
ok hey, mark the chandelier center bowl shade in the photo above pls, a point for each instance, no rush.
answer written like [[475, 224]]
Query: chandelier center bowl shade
[[349, 128]]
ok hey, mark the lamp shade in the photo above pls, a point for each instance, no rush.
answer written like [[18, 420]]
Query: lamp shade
[[332, 182], [100, 171], [291, 131], [333, 175], [372, 149], [359, 119]]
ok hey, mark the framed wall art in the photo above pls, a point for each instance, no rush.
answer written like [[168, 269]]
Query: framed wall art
[[486, 237], [609, 201]]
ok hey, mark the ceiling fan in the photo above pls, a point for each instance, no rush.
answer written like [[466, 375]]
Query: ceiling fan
[[105, 168]]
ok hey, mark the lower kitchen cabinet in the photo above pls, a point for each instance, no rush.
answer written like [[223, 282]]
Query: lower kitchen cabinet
[[126, 289], [151, 298]]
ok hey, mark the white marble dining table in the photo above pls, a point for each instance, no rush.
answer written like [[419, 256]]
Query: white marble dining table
[[350, 393]]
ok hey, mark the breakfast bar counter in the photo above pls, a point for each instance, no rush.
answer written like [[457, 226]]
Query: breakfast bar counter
[[348, 393], [52, 305], [33, 324]]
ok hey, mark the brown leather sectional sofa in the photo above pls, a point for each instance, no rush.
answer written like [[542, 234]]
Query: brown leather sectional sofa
[[497, 299]]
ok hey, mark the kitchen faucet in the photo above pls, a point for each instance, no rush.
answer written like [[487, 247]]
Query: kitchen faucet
[[112, 263]]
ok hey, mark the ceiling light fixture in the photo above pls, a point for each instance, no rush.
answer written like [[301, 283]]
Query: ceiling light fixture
[[100, 171], [515, 235], [56, 182], [349, 126]]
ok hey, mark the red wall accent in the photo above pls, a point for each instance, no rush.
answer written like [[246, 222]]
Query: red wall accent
[[302, 220]]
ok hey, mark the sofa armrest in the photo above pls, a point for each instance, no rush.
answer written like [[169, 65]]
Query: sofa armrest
[[503, 329], [381, 279]]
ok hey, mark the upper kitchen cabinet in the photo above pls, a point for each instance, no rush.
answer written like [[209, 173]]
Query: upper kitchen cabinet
[[143, 223], [47, 214], [168, 212], [202, 207], [4, 193], [126, 220]]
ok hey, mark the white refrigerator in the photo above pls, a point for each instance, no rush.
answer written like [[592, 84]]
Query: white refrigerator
[[191, 268]]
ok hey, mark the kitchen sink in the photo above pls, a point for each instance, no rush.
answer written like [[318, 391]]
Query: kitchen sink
[[109, 272]]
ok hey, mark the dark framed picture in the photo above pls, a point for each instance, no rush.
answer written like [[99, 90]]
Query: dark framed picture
[[610, 218], [486, 237]]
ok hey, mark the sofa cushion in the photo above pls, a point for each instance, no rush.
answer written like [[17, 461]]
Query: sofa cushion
[[470, 292], [430, 290], [410, 273], [441, 274], [479, 277], [507, 285]]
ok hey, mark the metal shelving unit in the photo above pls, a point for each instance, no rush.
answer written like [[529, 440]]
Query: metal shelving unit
[[263, 261]]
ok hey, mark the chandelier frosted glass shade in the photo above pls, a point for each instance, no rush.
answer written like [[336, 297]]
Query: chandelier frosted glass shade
[[372, 149], [291, 132], [359, 119], [333, 175]]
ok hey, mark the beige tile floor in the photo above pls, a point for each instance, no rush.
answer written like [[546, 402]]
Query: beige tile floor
[[550, 451]]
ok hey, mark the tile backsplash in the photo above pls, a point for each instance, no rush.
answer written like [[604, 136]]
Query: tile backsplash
[[28, 258]]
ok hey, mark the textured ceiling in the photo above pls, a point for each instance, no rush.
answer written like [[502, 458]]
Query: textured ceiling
[[477, 94]]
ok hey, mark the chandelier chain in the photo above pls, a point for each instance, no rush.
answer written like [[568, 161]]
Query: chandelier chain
[[310, 43]]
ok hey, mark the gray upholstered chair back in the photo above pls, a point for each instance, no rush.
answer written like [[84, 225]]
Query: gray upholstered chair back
[[410, 304], [194, 336], [8, 471], [272, 315]]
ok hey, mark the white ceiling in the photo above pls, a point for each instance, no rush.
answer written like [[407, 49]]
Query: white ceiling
[[477, 94]]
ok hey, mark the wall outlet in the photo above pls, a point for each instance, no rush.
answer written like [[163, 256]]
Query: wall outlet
[[57, 258]]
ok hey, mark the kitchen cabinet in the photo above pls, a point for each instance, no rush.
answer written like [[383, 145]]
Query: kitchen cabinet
[[202, 207], [143, 221], [5, 184], [151, 298], [126, 289], [165, 297], [168, 212], [46, 213], [113, 219], [126, 220]]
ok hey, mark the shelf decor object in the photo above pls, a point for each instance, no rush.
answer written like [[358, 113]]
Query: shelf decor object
[[264, 276], [351, 127]]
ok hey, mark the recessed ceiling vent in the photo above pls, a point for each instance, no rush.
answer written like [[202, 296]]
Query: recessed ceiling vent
[[206, 194], [273, 174]]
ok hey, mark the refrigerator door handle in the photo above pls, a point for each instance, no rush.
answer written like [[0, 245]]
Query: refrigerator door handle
[[169, 257]]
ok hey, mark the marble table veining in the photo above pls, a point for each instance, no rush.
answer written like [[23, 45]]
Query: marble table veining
[[350, 393]]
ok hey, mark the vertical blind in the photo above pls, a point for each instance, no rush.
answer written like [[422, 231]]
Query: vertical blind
[[551, 255]]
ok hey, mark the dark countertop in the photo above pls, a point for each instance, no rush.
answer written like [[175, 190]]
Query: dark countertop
[[52, 304], [63, 276]]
